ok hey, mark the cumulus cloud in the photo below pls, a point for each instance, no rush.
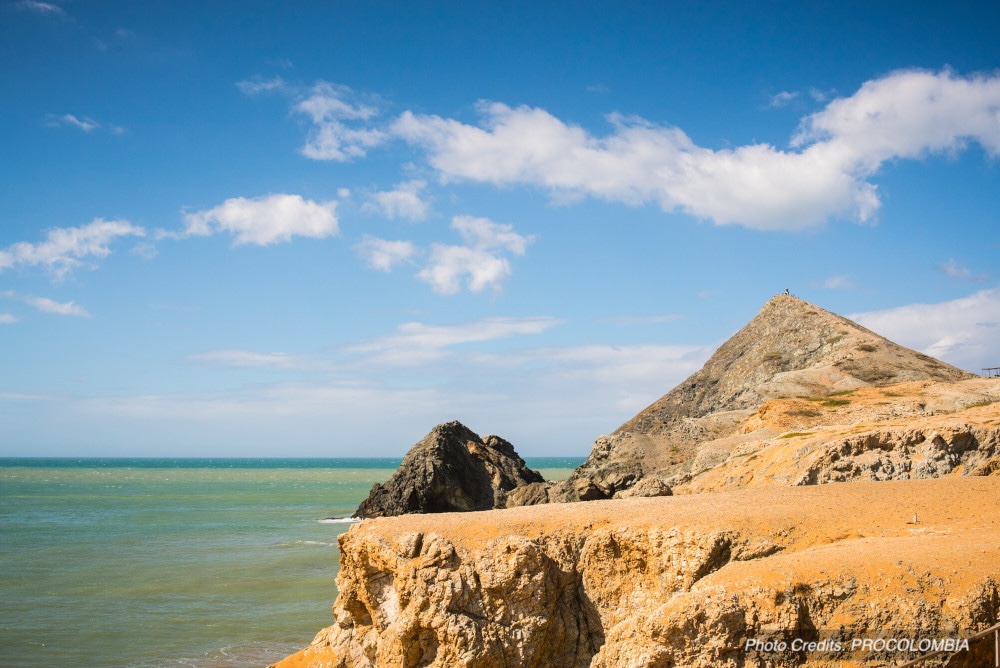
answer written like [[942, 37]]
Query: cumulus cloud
[[339, 131], [480, 263], [756, 185], [954, 269], [383, 254], [66, 248], [907, 114], [962, 332], [264, 220], [402, 202]]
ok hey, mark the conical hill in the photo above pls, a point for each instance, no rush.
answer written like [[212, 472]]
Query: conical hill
[[791, 348]]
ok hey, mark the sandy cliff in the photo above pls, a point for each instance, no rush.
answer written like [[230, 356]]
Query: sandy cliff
[[677, 581]]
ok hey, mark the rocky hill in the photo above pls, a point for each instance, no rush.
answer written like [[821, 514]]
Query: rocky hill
[[450, 469], [790, 349]]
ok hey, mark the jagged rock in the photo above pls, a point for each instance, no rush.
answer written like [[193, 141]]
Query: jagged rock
[[676, 581], [451, 469], [791, 348], [647, 487], [529, 495]]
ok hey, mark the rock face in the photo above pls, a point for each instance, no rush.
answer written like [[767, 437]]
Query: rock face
[[908, 431], [674, 581], [791, 348], [450, 469]]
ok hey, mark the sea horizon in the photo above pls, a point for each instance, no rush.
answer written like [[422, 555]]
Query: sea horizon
[[149, 562]]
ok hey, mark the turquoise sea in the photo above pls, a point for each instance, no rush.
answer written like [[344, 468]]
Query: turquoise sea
[[149, 563]]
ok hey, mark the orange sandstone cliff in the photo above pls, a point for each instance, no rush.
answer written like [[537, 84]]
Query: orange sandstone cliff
[[674, 581]]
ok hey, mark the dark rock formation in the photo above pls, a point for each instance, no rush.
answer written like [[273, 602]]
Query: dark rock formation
[[450, 470]]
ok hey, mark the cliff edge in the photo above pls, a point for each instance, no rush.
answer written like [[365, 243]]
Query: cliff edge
[[677, 581]]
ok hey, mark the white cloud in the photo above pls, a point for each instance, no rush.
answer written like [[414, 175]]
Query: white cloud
[[962, 332], [477, 265], [81, 123], [144, 250], [383, 254], [259, 85], [628, 320], [838, 282], [85, 124], [46, 305], [417, 343], [784, 98], [339, 133], [821, 95], [956, 270], [402, 202], [449, 265], [264, 220], [246, 358], [757, 185], [484, 233], [906, 114], [634, 375], [65, 248], [7, 319], [40, 7]]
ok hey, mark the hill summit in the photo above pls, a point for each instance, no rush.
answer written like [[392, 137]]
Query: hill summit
[[791, 348]]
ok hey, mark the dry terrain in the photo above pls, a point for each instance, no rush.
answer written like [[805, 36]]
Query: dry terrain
[[670, 581]]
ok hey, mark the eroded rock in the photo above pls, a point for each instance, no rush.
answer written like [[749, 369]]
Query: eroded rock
[[677, 581], [451, 469]]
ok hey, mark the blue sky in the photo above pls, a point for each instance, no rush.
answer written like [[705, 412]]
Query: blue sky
[[319, 229]]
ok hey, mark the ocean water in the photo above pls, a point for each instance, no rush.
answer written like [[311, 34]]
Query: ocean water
[[150, 563]]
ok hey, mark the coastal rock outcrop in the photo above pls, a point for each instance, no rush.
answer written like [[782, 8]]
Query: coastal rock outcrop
[[671, 581], [451, 469], [924, 429]]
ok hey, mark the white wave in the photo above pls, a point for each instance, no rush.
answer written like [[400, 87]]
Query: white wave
[[339, 520], [296, 543]]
